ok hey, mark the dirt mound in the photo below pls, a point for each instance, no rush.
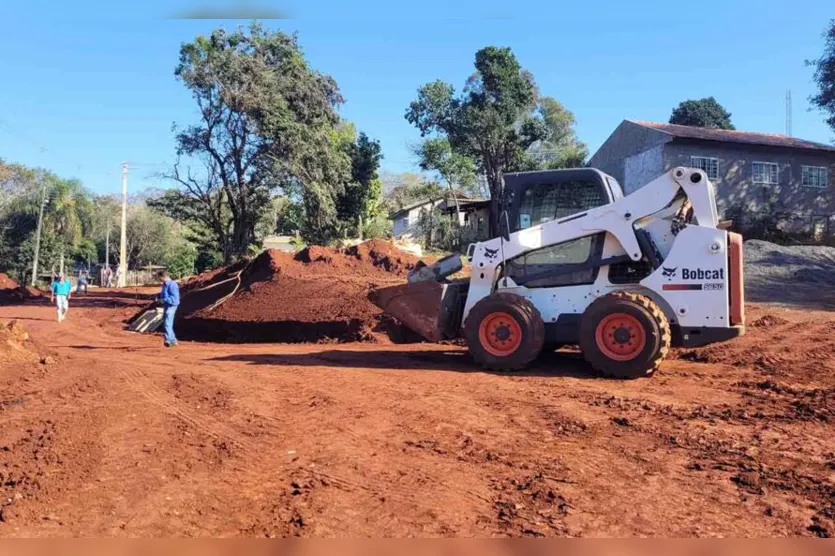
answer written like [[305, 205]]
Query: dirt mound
[[11, 292], [15, 344], [7, 283], [317, 295], [383, 254], [767, 321]]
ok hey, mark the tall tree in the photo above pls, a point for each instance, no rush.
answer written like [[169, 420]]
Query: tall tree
[[266, 121], [561, 148], [494, 121], [457, 171], [705, 112], [65, 216], [363, 192], [360, 198], [399, 189], [824, 76]]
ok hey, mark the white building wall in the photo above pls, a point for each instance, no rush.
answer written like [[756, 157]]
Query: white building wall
[[406, 225]]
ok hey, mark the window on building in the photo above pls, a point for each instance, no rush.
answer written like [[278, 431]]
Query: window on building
[[765, 172], [815, 176], [709, 165]]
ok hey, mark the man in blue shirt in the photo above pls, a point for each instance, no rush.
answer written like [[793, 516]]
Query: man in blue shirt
[[170, 297], [61, 289]]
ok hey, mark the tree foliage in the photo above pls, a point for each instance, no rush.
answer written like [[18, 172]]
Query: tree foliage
[[561, 148], [68, 220], [268, 123], [75, 227], [704, 112], [824, 77], [435, 154], [493, 122], [361, 196], [400, 189]]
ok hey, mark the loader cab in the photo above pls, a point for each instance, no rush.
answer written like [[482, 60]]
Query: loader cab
[[533, 198]]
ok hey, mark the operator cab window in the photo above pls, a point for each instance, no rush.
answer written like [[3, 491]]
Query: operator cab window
[[564, 264], [549, 201]]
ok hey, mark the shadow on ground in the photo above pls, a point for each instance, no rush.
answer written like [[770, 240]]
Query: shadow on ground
[[551, 364], [123, 298]]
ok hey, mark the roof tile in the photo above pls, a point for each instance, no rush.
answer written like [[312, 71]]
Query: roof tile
[[747, 137]]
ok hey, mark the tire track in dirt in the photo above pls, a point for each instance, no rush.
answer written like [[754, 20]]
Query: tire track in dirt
[[251, 460], [145, 386]]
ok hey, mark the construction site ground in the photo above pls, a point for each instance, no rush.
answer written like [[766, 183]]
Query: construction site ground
[[105, 432]]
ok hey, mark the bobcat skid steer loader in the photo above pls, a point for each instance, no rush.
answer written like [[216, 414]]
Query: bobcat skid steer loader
[[577, 262]]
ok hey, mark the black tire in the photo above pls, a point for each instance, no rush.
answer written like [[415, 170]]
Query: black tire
[[640, 309], [528, 325]]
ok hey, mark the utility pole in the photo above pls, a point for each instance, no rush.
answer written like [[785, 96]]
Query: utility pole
[[123, 243], [107, 245], [38, 236]]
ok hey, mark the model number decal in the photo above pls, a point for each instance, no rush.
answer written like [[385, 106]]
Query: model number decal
[[711, 286]]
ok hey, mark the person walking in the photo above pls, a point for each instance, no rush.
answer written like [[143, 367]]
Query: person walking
[[170, 297], [108, 277], [61, 289], [82, 281]]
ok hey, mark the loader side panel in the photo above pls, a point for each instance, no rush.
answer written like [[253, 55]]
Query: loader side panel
[[694, 280]]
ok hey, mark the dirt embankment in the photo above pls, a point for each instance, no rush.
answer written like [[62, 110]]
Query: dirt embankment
[[316, 295], [11, 292]]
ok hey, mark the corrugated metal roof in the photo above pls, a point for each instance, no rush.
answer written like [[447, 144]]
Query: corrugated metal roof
[[728, 136]]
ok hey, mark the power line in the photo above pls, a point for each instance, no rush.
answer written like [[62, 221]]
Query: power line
[[18, 133]]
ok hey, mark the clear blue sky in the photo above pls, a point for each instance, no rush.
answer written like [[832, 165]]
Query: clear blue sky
[[82, 89]]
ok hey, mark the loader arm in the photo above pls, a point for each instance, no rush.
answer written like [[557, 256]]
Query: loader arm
[[618, 219]]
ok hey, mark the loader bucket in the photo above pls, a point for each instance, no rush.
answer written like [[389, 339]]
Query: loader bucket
[[429, 308]]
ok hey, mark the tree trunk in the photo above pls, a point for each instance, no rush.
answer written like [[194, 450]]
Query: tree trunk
[[61, 261], [457, 206], [241, 235]]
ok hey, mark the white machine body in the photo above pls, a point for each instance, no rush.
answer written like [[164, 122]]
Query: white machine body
[[691, 285]]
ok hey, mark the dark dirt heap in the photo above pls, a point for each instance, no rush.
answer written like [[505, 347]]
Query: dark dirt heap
[[319, 294], [11, 292]]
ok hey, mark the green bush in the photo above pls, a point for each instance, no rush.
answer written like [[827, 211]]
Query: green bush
[[379, 226], [181, 260]]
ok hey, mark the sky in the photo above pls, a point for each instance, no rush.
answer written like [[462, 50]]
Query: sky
[[84, 89]]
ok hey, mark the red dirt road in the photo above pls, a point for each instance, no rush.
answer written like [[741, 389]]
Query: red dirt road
[[122, 437]]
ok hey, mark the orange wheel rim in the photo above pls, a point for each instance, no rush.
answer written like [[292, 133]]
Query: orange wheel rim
[[499, 334], [620, 337]]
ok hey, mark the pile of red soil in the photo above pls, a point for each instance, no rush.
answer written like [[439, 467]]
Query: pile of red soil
[[12, 293], [317, 295], [15, 344], [7, 283]]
